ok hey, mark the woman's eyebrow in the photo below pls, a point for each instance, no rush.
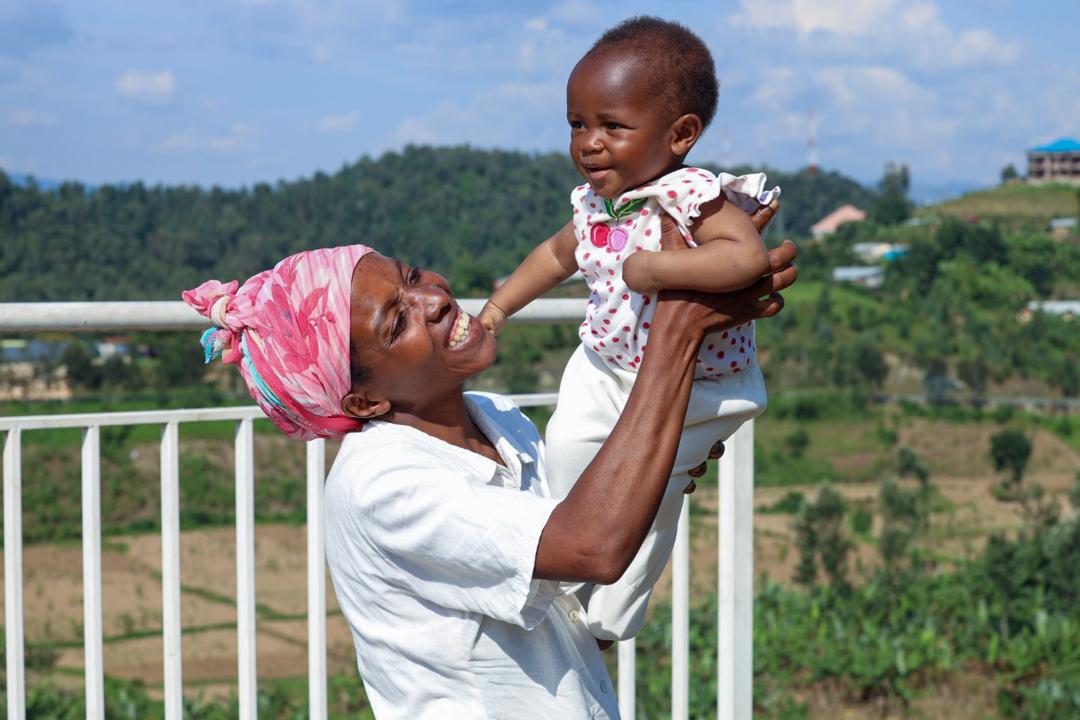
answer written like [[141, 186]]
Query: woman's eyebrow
[[383, 312]]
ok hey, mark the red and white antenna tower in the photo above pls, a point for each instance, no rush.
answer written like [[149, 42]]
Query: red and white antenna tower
[[811, 144]]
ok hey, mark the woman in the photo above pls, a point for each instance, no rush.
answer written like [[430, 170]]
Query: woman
[[445, 547]]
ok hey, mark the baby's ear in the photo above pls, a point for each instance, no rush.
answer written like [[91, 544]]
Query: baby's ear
[[685, 131], [364, 405]]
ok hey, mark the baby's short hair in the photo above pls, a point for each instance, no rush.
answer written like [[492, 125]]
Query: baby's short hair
[[681, 68]]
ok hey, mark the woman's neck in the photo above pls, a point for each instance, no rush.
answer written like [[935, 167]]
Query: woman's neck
[[448, 420]]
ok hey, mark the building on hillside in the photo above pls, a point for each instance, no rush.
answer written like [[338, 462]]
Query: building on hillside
[[878, 251], [864, 276], [1064, 309], [1062, 227], [828, 224], [1057, 162], [114, 346]]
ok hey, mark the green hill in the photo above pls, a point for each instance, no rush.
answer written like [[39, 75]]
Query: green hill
[[470, 214], [1016, 205]]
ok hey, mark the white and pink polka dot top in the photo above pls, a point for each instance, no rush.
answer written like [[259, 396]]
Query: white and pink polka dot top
[[618, 319]]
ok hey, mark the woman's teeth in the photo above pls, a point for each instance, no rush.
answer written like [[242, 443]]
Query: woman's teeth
[[461, 329]]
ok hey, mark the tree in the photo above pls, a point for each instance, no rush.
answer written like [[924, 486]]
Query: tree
[[974, 372], [937, 385], [1010, 451], [895, 534], [1008, 173], [116, 372], [819, 532], [892, 206], [81, 370], [870, 364], [797, 442]]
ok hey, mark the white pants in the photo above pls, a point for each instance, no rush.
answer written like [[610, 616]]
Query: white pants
[[591, 399]]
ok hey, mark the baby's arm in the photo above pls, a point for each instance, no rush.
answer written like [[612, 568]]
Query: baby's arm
[[551, 262], [730, 256]]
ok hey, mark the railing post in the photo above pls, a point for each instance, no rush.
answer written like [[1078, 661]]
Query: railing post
[[13, 577], [316, 573], [172, 668], [680, 618], [735, 611], [91, 541], [627, 680], [245, 571]]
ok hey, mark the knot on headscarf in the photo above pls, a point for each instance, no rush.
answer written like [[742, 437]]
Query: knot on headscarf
[[287, 331], [211, 299]]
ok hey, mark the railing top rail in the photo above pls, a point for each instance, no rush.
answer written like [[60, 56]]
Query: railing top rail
[[160, 417], [136, 417], [148, 315]]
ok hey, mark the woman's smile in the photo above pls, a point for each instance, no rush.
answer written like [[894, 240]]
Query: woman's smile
[[464, 331]]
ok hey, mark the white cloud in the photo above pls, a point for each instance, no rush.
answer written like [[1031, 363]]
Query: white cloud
[[151, 88], [337, 123], [22, 166], [417, 131], [26, 118], [855, 87], [909, 33], [842, 17], [499, 116], [239, 139], [322, 30]]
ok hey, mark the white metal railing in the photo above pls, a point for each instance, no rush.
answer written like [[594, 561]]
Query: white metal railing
[[735, 533]]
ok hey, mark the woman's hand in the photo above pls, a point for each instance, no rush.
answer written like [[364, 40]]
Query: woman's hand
[[783, 273], [764, 215], [718, 311]]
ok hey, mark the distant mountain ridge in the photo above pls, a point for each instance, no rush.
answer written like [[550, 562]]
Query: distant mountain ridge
[[470, 214], [26, 181]]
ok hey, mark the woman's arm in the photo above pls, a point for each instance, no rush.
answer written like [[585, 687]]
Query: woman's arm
[[550, 262], [594, 533], [729, 256]]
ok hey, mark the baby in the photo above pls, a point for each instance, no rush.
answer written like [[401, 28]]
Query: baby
[[637, 102]]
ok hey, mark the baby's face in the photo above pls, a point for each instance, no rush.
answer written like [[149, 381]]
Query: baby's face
[[619, 137]]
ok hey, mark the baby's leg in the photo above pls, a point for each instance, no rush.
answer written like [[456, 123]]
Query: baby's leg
[[591, 397], [717, 409]]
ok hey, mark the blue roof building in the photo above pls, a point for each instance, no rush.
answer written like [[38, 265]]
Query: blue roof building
[[1058, 161]]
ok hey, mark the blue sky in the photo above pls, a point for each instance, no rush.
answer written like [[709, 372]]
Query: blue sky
[[237, 91]]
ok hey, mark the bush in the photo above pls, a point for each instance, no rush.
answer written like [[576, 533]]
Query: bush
[[1010, 451]]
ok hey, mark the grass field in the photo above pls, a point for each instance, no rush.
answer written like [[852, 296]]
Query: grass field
[[1018, 204]]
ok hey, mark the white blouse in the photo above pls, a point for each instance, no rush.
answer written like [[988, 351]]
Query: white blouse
[[431, 548], [617, 319]]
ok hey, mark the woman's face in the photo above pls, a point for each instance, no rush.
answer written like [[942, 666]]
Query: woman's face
[[408, 330]]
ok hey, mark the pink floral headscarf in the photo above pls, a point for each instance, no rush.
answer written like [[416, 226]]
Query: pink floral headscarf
[[287, 330]]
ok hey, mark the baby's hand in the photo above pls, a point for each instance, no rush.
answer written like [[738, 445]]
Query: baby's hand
[[493, 318]]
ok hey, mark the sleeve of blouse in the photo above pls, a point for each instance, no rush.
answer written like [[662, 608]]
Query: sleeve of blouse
[[458, 544], [683, 192]]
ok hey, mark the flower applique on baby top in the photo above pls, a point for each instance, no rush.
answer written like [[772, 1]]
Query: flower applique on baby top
[[608, 231]]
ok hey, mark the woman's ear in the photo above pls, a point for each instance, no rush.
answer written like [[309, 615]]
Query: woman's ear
[[685, 131], [364, 405]]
